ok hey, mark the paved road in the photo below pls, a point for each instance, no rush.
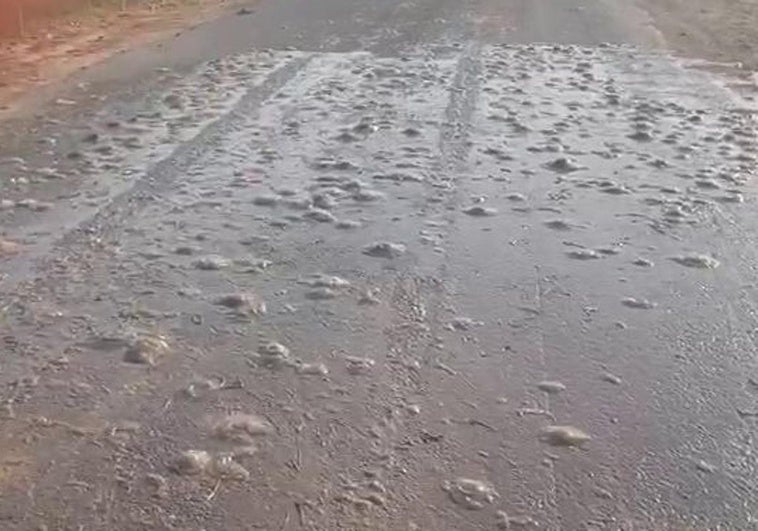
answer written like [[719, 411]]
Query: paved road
[[383, 265]]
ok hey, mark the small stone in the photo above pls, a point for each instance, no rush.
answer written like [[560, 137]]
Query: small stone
[[563, 436]]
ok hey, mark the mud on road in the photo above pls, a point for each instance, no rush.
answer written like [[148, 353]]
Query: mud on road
[[452, 284]]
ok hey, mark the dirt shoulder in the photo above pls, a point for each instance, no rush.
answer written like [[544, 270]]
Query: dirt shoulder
[[53, 49], [718, 30]]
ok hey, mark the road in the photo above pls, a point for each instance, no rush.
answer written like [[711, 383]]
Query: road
[[383, 265]]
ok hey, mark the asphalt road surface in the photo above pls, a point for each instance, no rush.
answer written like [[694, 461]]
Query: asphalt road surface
[[450, 265]]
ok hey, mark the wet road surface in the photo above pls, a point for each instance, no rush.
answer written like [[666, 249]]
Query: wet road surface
[[459, 267]]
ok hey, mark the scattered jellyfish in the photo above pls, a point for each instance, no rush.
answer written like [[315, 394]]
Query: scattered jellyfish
[[240, 427], [480, 211], [472, 494], [583, 254], [146, 349], [192, 462], [356, 365], [699, 261], [211, 262], [384, 250], [638, 304], [563, 436], [551, 387]]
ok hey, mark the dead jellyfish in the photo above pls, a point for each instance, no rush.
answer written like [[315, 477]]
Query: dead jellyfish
[[551, 387], [699, 261], [638, 304], [146, 349], [211, 263], [472, 494], [563, 436], [240, 427], [384, 250], [480, 211]]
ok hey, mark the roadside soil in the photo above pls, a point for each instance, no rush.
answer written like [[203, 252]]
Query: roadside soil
[[718, 30], [52, 49]]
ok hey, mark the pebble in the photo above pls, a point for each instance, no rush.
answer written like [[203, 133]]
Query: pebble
[[563, 436], [384, 250], [480, 211], [472, 494], [699, 261]]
